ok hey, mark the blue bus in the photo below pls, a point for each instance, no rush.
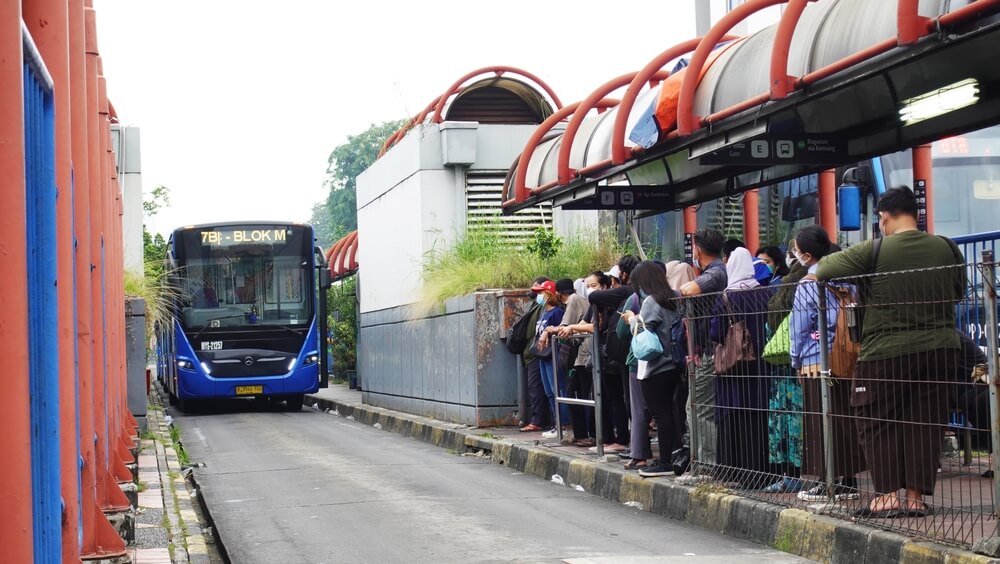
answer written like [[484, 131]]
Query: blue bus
[[248, 309]]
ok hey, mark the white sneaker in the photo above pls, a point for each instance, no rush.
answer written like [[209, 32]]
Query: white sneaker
[[550, 434]]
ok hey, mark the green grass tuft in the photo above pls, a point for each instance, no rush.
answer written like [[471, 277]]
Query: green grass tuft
[[483, 259]]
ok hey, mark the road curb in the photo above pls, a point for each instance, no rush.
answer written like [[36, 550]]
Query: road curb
[[817, 537], [189, 542]]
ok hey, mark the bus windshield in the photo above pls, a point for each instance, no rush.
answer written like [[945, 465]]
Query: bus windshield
[[238, 276], [966, 183]]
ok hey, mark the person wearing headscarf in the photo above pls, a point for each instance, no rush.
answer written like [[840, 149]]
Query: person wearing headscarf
[[740, 270], [742, 391], [679, 273]]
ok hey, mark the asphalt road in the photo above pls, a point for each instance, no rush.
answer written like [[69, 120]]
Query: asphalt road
[[311, 487]]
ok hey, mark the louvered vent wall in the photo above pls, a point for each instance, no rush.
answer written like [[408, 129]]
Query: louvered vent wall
[[482, 197]]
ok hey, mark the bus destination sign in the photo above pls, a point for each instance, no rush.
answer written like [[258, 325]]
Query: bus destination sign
[[226, 237]]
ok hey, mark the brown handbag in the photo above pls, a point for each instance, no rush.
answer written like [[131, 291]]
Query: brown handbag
[[738, 346], [844, 350]]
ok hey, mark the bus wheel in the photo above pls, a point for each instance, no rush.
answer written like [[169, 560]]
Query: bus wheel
[[185, 405], [294, 403]]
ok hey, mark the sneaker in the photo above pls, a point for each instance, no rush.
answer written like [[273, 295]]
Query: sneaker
[[819, 493], [550, 434], [785, 485], [816, 493], [654, 469], [846, 491]]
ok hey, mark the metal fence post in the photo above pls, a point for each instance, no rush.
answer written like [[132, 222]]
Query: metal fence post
[[555, 388], [595, 355], [990, 304], [825, 382]]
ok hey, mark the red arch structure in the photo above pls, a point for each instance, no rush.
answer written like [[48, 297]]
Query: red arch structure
[[435, 109], [910, 29], [342, 257]]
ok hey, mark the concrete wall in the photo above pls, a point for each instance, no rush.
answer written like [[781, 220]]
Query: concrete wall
[[411, 202], [127, 149], [450, 364]]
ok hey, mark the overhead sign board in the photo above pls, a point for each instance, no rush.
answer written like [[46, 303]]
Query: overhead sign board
[[625, 198], [777, 149]]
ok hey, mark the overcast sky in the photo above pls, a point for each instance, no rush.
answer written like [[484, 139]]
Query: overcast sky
[[241, 102]]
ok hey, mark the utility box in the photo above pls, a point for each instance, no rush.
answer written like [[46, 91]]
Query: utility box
[[458, 142], [135, 358]]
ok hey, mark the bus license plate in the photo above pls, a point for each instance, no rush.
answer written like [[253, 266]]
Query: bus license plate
[[249, 390]]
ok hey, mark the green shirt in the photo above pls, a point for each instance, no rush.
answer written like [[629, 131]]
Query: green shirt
[[906, 312]]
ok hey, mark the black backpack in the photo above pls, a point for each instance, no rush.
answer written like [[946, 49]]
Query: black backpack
[[517, 335], [615, 348]]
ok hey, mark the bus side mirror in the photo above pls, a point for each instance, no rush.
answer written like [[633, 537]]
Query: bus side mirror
[[324, 278], [849, 198]]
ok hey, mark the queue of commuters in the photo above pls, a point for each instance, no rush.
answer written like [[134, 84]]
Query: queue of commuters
[[747, 328]]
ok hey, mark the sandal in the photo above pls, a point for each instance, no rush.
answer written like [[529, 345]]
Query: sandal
[[530, 428], [584, 443], [923, 511], [635, 464]]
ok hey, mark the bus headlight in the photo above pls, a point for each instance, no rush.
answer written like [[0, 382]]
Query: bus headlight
[[310, 359], [185, 364]]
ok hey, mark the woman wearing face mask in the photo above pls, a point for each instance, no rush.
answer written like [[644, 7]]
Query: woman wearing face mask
[[812, 245], [614, 414], [784, 418], [660, 376], [742, 391], [581, 379], [537, 404], [551, 316], [775, 261]]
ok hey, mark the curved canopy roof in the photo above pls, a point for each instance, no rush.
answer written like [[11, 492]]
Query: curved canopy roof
[[342, 257], [497, 98], [838, 71]]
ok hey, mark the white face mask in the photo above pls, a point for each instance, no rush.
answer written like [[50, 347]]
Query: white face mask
[[588, 291]]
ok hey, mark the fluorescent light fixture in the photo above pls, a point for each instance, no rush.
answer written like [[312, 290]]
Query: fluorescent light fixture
[[941, 101]]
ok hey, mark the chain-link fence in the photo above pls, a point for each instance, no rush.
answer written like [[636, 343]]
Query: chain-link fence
[[866, 398]]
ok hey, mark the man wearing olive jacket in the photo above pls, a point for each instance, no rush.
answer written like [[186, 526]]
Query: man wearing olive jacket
[[909, 343]]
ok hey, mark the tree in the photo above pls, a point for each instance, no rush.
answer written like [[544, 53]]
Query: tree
[[344, 165], [158, 198], [154, 247]]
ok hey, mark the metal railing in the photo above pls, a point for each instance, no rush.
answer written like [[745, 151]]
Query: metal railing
[[595, 355], [816, 427]]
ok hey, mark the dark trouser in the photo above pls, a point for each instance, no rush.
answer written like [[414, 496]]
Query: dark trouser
[[538, 403], [580, 384], [658, 391], [848, 459], [639, 447], [614, 410], [902, 409], [974, 401], [742, 423]]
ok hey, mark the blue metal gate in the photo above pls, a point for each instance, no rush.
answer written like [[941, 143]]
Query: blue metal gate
[[43, 337]]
